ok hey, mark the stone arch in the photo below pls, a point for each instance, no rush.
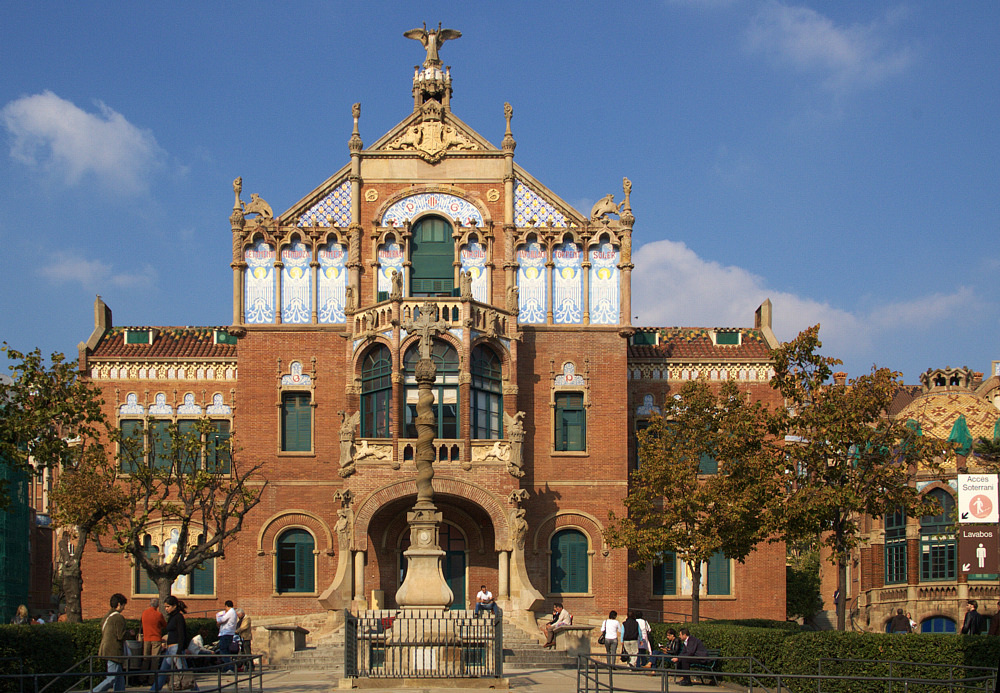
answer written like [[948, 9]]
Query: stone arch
[[590, 526], [420, 191], [286, 519], [482, 497]]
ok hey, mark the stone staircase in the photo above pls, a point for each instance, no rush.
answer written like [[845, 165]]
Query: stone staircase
[[521, 651]]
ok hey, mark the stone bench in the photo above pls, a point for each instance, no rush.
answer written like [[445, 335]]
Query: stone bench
[[573, 640], [283, 642]]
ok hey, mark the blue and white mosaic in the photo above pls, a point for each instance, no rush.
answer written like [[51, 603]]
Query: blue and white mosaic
[[332, 282], [296, 287], [131, 406], [258, 290], [337, 205], [189, 408], [462, 211], [531, 210], [295, 376], [473, 257], [390, 259], [531, 283], [648, 407], [569, 377], [160, 406], [605, 297], [217, 407], [567, 284]]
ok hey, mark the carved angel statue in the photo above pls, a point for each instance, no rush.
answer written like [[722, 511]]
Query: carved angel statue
[[606, 205], [347, 449], [432, 41], [515, 432]]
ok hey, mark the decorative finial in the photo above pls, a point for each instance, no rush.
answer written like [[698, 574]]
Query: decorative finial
[[238, 188], [508, 143], [432, 41], [627, 188], [355, 144]]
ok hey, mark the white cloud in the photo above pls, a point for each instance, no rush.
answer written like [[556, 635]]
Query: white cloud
[[56, 136], [95, 275], [846, 57], [672, 286]]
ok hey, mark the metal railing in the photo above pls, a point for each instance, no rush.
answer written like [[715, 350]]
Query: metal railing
[[246, 675], [423, 644], [595, 675]]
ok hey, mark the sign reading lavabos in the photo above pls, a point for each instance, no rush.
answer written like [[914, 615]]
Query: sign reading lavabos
[[978, 549], [977, 498]]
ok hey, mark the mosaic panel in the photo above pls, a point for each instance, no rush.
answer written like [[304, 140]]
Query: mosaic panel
[[648, 407], [295, 376], [131, 406], [337, 205], [531, 210], [531, 283], [460, 210], [569, 376], [259, 288], [567, 284], [160, 406], [605, 299], [296, 287], [390, 258], [218, 407], [332, 282], [189, 408], [473, 258]]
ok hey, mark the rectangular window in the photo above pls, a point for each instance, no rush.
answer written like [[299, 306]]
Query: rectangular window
[[218, 454], [296, 422], [132, 449], [201, 580], [665, 576], [707, 464], [159, 444], [718, 575], [571, 422], [937, 557], [375, 414], [143, 585], [895, 548], [640, 426]]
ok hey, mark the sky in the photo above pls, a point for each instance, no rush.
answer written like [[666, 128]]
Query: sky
[[839, 158]]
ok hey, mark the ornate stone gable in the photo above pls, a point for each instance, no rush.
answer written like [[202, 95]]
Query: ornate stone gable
[[432, 135]]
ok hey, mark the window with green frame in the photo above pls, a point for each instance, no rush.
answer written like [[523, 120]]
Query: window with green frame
[[570, 563], [570, 422], [160, 445], [717, 575], [218, 454], [143, 585], [445, 389], [295, 562], [486, 420], [201, 579], [296, 422], [432, 254], [132, 448], [707, 464], [938, 546], [895, 548], [376, 393], [665, 576]]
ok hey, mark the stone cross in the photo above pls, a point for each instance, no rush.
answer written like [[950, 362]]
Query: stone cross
[[426, 327]]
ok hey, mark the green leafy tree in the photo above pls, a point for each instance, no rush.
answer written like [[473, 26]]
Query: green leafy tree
[[846, 456], [802, 587], [197, 486], [673, 506], [988, 454], [52, 418]]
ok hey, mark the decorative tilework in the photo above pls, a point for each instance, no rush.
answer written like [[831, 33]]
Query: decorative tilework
[[332, 282], [462, 211], [569, 376], [296, 287], [217, 407], [648, 407], [259, 292], [131, 406], [567, 284], [337, 205], [604, 285], [531, 210], [189, 408], [473, 257], [390, 260], [531, 283], [295, 377], [160, 406]]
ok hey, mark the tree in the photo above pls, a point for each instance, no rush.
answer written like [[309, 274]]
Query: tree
[[802, 587], [53, 419], [678, 502], [195, 486], [846, 456]]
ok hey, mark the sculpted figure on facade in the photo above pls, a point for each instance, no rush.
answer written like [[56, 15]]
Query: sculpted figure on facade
[[344, 530], [512, 300], [432, 41], [396, 293], [465, 285], [520, 526], [603, 207], [515, 432], [259, 207], [347, 449]]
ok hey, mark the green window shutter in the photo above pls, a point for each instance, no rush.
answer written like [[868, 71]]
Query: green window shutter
[[143, 585], [132, 447], [707, 464], [296, 424], [432, 256], [718, 574], [569, 566], [201, 580], [218, 454], [571, 422], [296, 562], [159, 444], [187, 434], [665, 576], [304, 572]]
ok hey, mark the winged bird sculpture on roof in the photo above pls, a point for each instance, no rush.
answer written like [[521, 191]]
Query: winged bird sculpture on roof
[[432, 41]]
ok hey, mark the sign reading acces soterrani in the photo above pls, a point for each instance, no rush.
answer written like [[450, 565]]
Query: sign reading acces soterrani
[[977, 498]]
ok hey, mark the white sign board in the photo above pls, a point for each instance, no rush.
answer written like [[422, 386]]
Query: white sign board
[[977, 498]]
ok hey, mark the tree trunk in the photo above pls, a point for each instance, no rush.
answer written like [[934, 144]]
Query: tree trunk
[[695, 591], [842, 594], [163, 585], [72, 577]]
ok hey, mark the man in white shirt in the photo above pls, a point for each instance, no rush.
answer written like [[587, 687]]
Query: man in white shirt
[[484, 601], [227, 620], [560, 618]]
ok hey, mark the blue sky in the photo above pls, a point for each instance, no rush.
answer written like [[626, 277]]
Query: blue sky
[[841, 158]]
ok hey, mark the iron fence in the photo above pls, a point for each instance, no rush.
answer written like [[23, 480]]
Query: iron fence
[[423, 644]]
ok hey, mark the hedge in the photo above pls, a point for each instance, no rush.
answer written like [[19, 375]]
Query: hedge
[[787, 651]]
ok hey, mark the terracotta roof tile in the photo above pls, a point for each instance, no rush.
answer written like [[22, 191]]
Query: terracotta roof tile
[[691, 343], [170, 342]]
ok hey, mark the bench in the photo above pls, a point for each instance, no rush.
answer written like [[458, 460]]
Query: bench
[[709, 664]]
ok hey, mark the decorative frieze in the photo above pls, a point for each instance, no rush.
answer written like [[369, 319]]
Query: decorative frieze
[[742, 372], [162, 370]]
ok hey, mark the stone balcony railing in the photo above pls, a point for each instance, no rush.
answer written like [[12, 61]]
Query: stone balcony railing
[[481, 317]]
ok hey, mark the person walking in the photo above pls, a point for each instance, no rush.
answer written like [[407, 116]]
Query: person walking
[[630, 638], [113, 644], [899, 623], [227, 620], [611, 630], [644, 649], [153, 625], [175, 639]]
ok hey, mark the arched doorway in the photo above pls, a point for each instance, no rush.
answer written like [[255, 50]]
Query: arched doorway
[[453, 563]]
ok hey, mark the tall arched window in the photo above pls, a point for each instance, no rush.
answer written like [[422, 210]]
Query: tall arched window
[[569, 571], [895, 547], [296, 565], [937, 540], [376, 393], [445, 389], [487, 395], [143, 585], [432, 254]]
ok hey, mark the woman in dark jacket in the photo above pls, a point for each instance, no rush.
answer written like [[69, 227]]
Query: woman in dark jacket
[[175, 640]]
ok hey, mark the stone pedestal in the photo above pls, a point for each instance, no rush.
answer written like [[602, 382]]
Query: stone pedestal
[[424, 586]]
